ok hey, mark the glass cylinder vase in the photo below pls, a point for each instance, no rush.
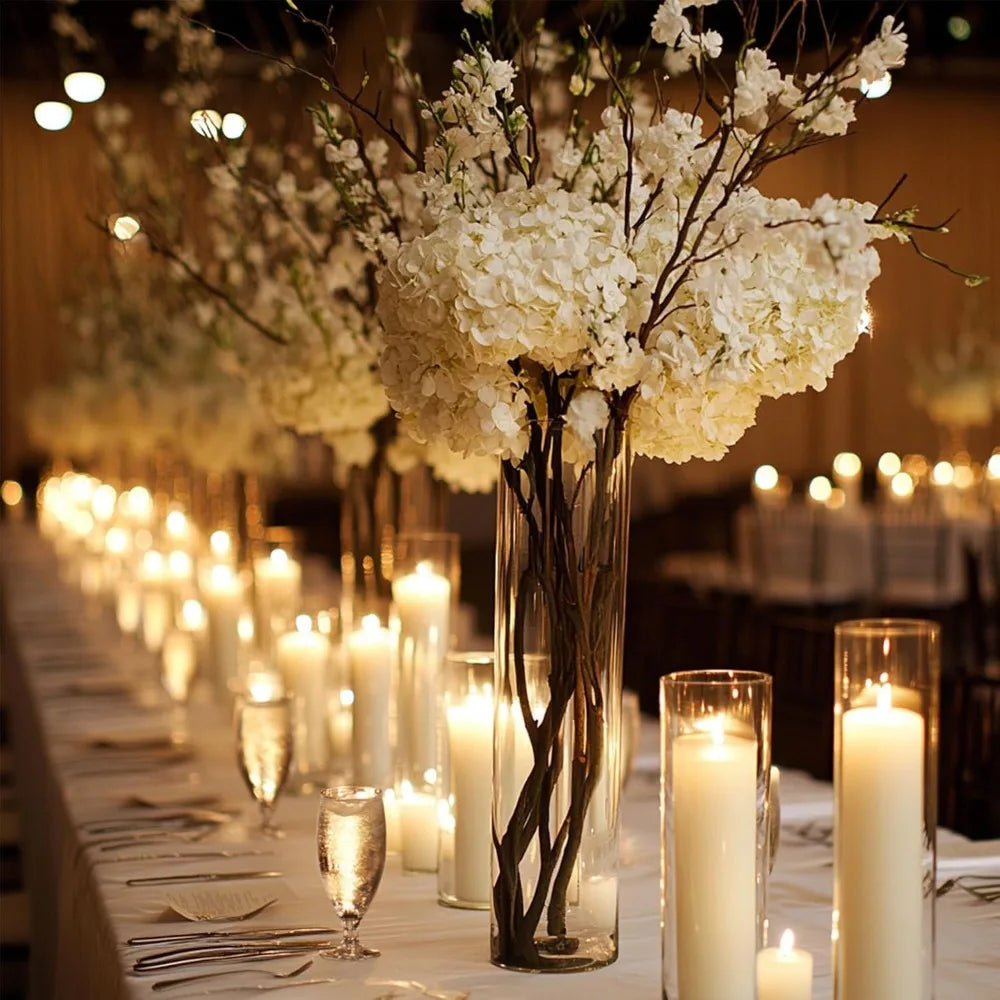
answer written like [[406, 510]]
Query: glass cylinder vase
[[715, 760], [885, 808], [562, 540]]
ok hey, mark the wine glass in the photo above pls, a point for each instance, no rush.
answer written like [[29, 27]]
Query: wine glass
[[264, 752], [350, 835]]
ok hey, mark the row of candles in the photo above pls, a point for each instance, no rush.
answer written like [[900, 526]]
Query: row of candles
[[384, 704], [419, 722], [951, 488]]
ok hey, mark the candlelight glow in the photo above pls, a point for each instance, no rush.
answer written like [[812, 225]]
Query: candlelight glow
[[965, 477], [787, 944], [884, 697], [180, 564], [943, 474], [820, 489], [116, 541], [177, 523], [84, 88], [766, 477], [264, 687], [220, 543], [53, 116], [152, 563], [901, 485], [279, 558], [837, 499], [233, 125], [11, 493], [244, 627], [140, 501], [346, 697], [193, 614], [889, 464], [847, 464], [303, 623], [103, 502], [371, 623], [993, 466]]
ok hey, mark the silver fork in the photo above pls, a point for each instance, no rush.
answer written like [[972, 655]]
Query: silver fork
[[166, 984]]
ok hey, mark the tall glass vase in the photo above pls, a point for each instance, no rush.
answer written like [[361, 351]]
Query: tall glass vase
[[562, 541]]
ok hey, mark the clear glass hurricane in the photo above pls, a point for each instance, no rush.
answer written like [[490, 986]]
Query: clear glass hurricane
[[264, 752], [350, 837]]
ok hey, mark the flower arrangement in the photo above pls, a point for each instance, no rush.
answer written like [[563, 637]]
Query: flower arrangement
[[555, 291]]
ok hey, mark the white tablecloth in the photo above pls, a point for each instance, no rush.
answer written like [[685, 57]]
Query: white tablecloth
[[84, 912]]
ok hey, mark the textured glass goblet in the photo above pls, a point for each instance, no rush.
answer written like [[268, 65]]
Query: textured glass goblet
[[264, 752], [350, 838]]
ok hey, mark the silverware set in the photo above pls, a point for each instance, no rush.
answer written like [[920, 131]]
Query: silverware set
[[201, 877], [248, 948]]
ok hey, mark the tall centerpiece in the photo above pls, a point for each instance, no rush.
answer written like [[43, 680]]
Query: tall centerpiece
[[565, 293]]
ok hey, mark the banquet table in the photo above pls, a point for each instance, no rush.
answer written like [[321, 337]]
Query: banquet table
[[72, 682]]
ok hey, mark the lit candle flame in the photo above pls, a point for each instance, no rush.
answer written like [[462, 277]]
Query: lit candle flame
[[787, 944], [371, 623], [220, 543], [884, 697], [279, 557], [303, 623]]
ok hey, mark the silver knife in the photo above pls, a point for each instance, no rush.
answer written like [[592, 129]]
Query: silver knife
[[265, 987], [163, 855], [249, 935], [201, 877]]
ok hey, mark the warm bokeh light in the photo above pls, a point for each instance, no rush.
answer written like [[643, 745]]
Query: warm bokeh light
[[83, 87], [11, 493], [959, 29], [766, 477], [877, 88], [847, 464], [820, 489], [889, 464], [865, 320], [837, 499], [207, 122], [943, 474], [124, 227], [901, 485], [964, 477], [104, 501], [53, 116], [233, 125], [993, 466]]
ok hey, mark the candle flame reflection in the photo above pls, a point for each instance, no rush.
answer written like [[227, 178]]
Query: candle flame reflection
[[884, 697]]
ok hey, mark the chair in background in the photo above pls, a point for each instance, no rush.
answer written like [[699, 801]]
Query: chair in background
[[970, 756]]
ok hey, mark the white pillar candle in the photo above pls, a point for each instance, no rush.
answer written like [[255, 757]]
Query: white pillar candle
[[277, 581], [371, 651], [470, 753], [222, 594], [785, 972], [393, 836], [157, 600], [302, 658], [180, 660], [423, 604], [128, 606], [880, 847], [418, 825], [715, 837], [341, 722]]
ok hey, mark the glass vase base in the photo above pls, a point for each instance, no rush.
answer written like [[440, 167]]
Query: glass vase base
[[453, 902], [563, 954]]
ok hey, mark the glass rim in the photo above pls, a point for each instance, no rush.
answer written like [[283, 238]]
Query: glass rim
[[244, 699], [715, 678], [342, 793], [881, 627], [471, 657]]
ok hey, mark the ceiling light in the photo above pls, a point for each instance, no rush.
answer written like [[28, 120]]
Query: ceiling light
[[53, 115], [84, 87]]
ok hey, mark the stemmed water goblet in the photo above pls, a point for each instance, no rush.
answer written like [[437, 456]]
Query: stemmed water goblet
[[264, 752], [350, 836]]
